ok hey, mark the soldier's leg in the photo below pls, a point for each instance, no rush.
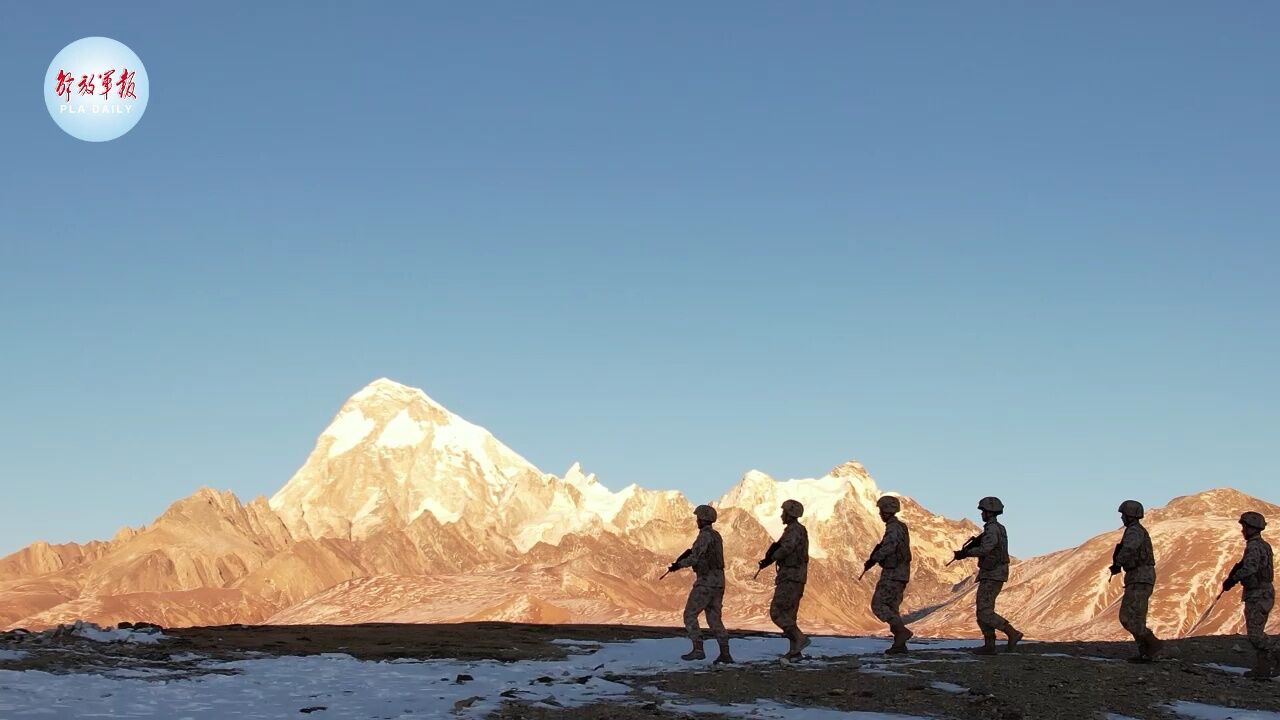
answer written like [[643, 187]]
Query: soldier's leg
[[693, 607], [985, 604], [697, 602], [891, 605], [882, 605], [1129, 611], [1256, 611], [714, 610], [716, 623]]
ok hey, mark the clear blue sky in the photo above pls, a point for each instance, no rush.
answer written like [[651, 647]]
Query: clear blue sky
[[987, 248]]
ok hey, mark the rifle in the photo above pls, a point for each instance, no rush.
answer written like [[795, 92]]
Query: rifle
[[968, 544], [683, 555], [874, 550], [1213, 604], [1115, 560], [768, 558]]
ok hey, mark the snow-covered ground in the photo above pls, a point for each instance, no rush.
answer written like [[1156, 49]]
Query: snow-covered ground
[[339, 686], [1199, 711]]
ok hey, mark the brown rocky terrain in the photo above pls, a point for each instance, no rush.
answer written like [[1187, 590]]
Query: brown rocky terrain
[[405, 512]]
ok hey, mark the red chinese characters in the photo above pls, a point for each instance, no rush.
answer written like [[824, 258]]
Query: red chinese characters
[[89, 84], [65, 80], [124, 86]]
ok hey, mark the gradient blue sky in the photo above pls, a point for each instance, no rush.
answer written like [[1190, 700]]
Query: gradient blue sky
[[986, 248]]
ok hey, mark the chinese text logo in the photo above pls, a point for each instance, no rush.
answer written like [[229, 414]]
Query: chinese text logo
[[96, 89]]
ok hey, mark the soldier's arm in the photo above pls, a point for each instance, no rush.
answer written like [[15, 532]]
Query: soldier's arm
[[985, 545], [1249, 565], [696, 553], [1127, 551], [888, 546], [786, 545]]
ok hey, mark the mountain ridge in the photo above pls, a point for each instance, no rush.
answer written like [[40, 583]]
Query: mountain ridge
[[402, 499]]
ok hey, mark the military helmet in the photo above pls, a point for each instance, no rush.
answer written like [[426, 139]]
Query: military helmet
[[705, 512], [793, 508], [1254, 520], [991, 504], [1132, 508], [889, 504]]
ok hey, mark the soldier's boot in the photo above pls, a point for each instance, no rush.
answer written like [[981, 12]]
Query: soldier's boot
[[988, 643], [1262, 667], [1142, 656], [696, 653], [1013, 635], [900, 637], [724, 658], [792, 642], [799, 641], [1150, 645]]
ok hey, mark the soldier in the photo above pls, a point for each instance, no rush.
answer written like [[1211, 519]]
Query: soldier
[[791, 552], [992, 550], [1136, 557], [893, 555], [1256, 572], [706, 557]]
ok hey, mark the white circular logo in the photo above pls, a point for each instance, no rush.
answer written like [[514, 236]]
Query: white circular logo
[[96, 89]]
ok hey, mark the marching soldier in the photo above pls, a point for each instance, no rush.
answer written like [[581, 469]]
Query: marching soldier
[[1136, 557], [893, 555], [791, 553], [1256, 572], [706, 557], [992, 550]]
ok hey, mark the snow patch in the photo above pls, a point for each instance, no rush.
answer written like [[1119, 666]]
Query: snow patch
[[769, 710], [347, 430], [442, 513], [1200, 711], [402, 431], [346, 687], [12, 654], [92, 632], [949, 687]]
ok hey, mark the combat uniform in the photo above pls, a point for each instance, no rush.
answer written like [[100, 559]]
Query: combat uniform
[[992, 552], [792, 558], [707, 595], [1136, 557], [893, 555], [1256, 574]]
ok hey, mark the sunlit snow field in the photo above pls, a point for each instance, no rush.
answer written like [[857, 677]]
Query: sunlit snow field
[[339, 686]]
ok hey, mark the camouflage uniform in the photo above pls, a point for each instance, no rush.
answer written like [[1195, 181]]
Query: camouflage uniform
[[707, 560], [992, 552], [1135, 555], [792, 557], [894, 557], [1256, 573]]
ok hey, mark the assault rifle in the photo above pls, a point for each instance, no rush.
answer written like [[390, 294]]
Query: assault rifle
[[768, 559], [672, 567], [967, 546], [868, 564], [1209, 609]]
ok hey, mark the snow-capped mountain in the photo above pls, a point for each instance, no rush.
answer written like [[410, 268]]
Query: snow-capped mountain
[[405, 511]]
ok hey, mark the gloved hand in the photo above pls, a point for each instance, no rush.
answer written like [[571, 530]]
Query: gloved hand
[[868, 564], [1229, 583], [763, 564], [959, 554], [1115, 569], [673, 567]]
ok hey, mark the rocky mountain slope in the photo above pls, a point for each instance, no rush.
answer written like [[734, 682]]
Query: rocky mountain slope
[[406, 512]]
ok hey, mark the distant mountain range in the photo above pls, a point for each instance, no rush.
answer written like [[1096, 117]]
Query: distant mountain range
[[405, 512]]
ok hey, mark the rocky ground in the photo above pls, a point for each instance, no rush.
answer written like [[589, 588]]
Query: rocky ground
[[1050, 681]]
